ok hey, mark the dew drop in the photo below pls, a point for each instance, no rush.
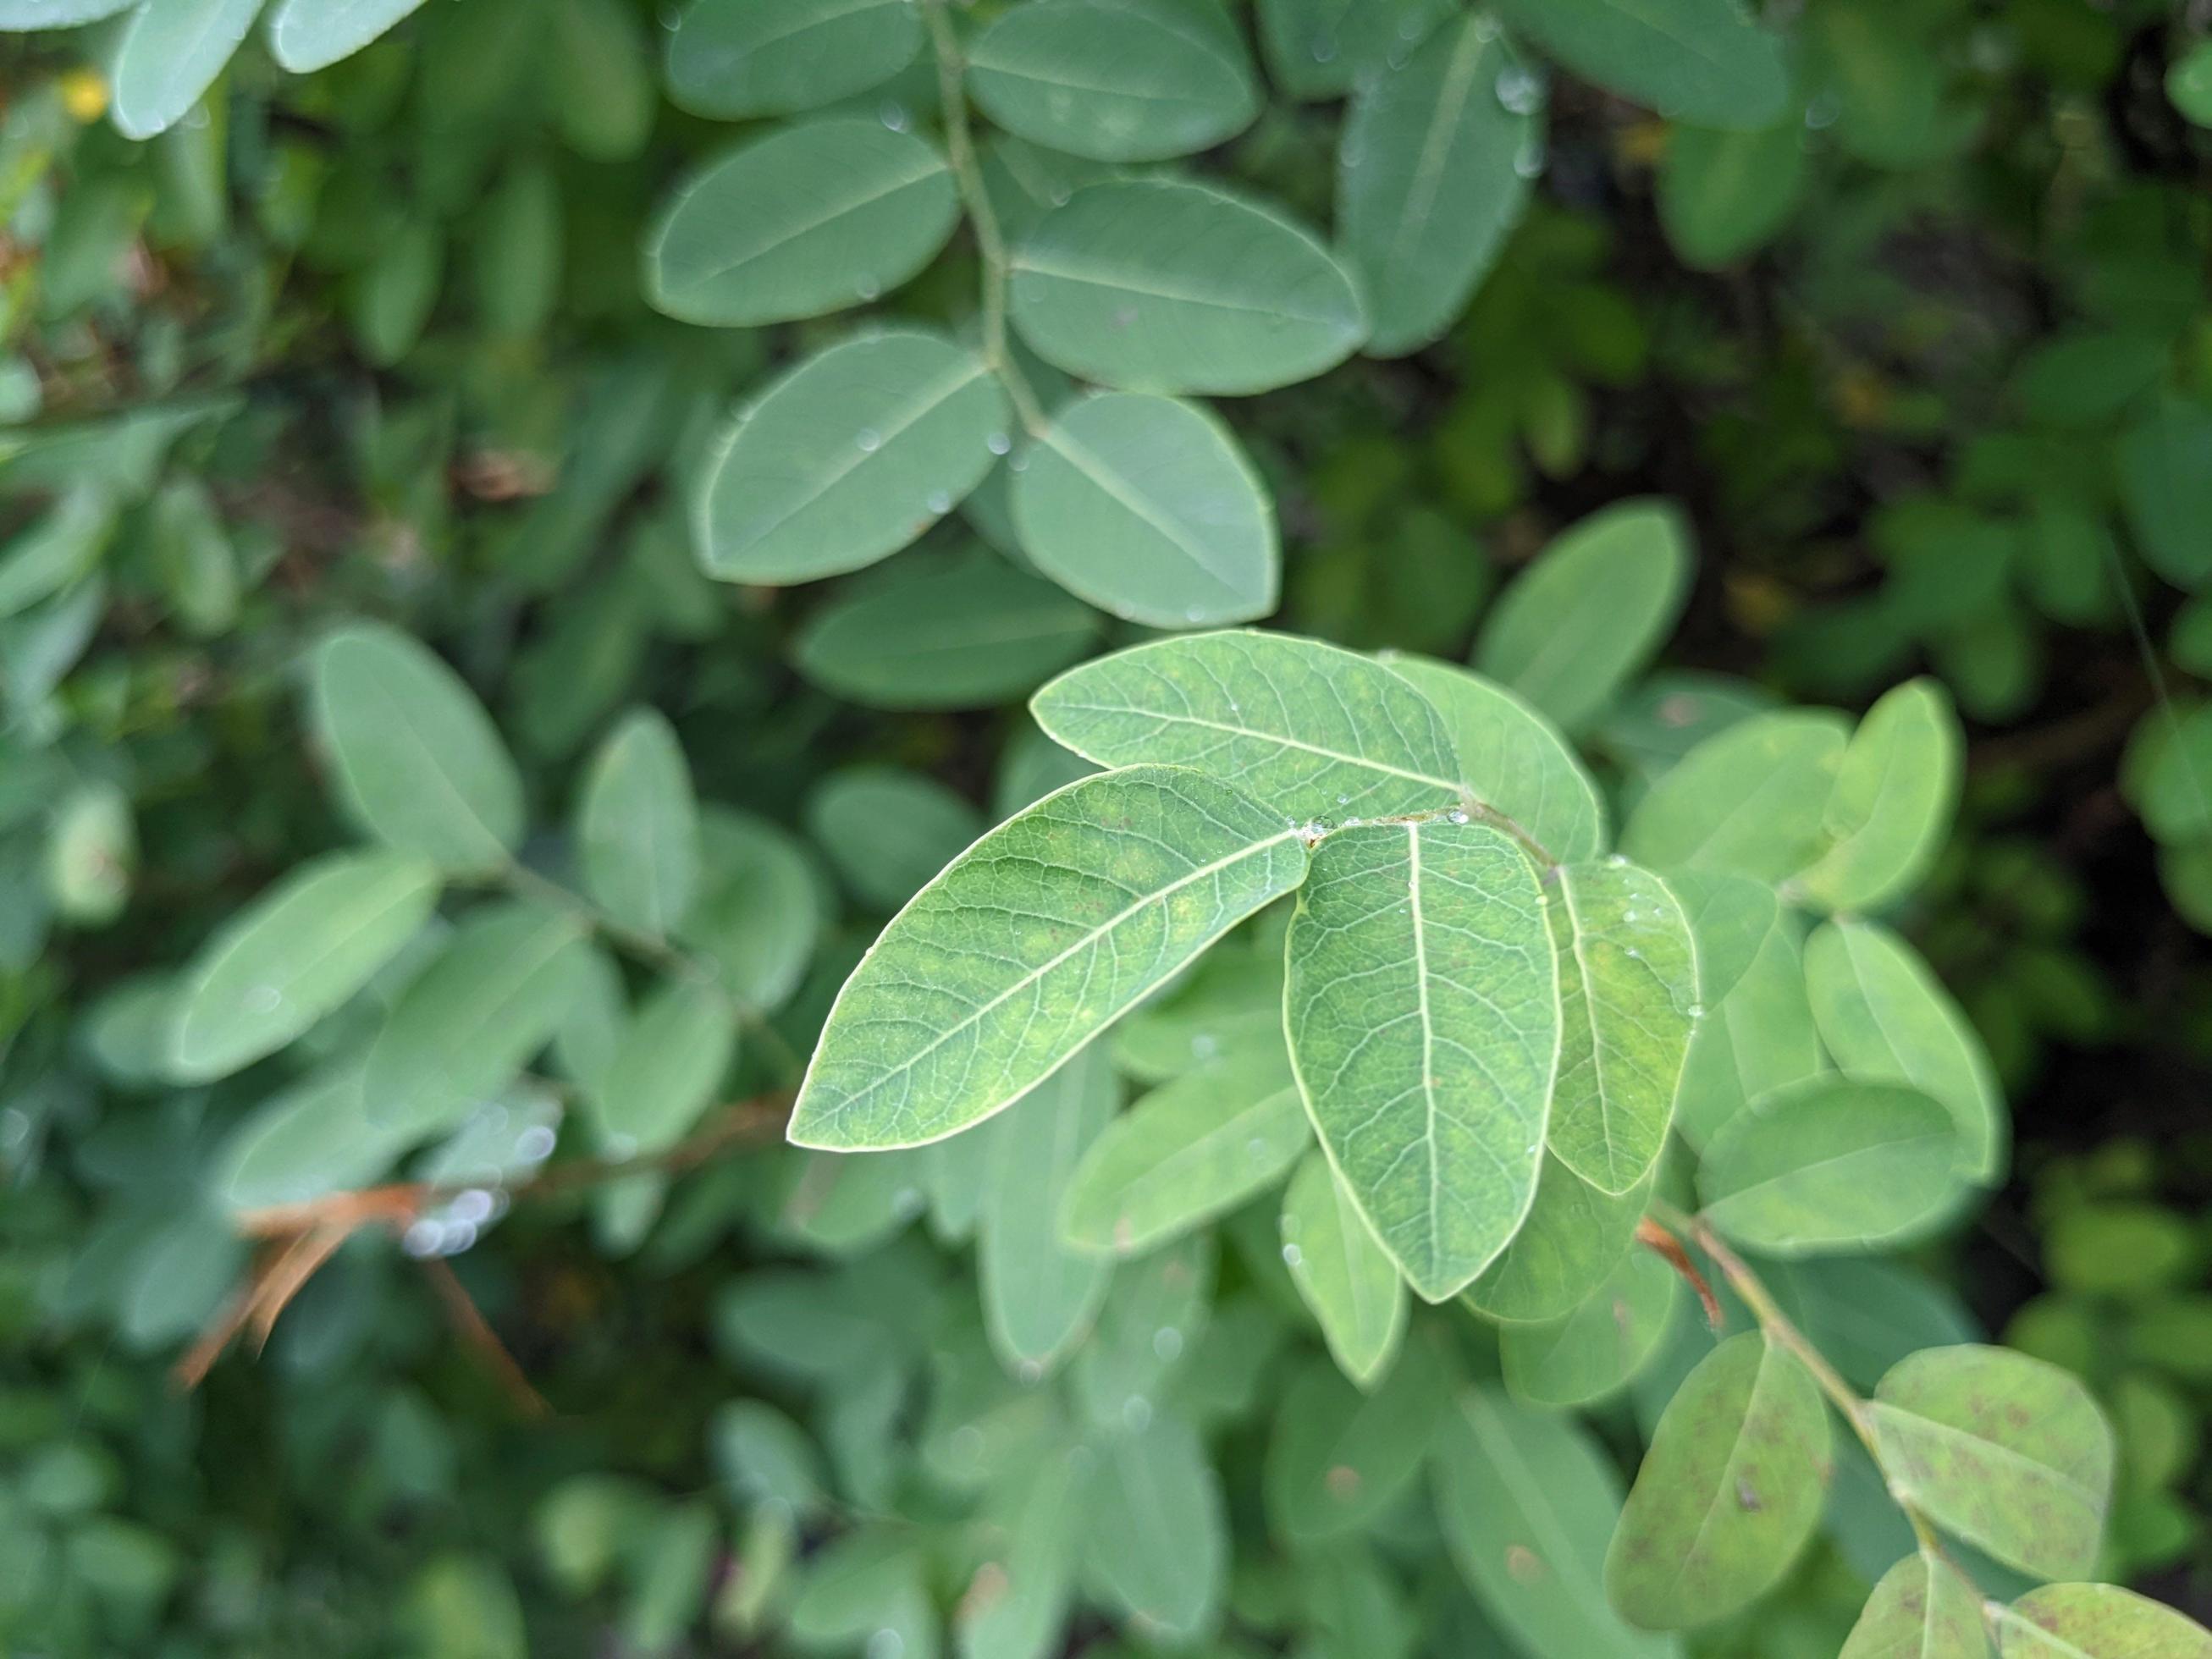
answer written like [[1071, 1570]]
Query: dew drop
[[534, 1144], [867, 288], [1456, 816], [1167, 1343], [1617, 861], [1324, 49], [1293, 1254], [1351, 824], [1343, 800], [1136, 1413], [998, 443], [473, 1206], [263, 999], [939, 503], [968, 1442], [1697, 1011], [422, 1238], [1518, 90], [868, 440], [895, 118], [886, 1644]]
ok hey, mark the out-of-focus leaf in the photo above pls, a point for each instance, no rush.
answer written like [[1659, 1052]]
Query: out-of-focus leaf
[[1343, 1271]]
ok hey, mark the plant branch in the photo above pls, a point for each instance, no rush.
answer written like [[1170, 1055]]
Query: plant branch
[[990, 238], [1779, 1327]]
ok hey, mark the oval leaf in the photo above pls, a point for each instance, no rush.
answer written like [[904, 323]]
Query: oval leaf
[[1883, 1014], [1304, 728], [1338, 1458], [419, 763], [2097, 1621], [1343, 1271], [292, 956], [1115, 80], [1147, 507], [1034, 940], [1896, 791], [306, 35], [170, 53], [1185, 1153], [1628, 997], [1433, 174], [1158, 285], [964, 634], [1575, 1235], [1512, 759], [1157, 1541], [467, 1025], [1922, 1609], [639, 826], [665, 1067], [1527, 1499], [1692, 60], [1587, 616], [1597, 1348], [1832, 1163], [1750, 801], [729, 59], [2010, 1452], [848, 457], [810, 219], [1728, 1494], [1423, 1008]]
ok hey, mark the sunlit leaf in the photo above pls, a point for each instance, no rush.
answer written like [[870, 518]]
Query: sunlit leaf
[[1896, 790], [1030, 944], [1749, 802], [1423, 1007], [306, 35], [1922, 1609], [170, 52]]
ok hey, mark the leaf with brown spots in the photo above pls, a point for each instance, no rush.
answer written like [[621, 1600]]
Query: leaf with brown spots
[[1922, 1609], [2097, 1621], [2010, 1452], [1728, 1494]]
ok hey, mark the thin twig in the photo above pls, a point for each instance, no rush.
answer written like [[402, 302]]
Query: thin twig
[[475, 1330]]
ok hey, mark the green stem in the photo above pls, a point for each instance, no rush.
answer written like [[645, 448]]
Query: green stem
[[657, 952], [1779, 1327], [990, 239]]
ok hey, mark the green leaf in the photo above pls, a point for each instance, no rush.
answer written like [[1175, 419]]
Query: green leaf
[[1158, 1537], [292, 956], [1703, 61], [2007, 1452], [1586, 616], [469, 1020], [1324, 49], [1039, 1296], [2165, 484], [848, 458], [1729, 917], [1019, 1601], [1343, 1271], [1185, 1153], [1628, 1000], [418, 762], [728, 59], [1152, 1319], [808, 219], [1724, 195], [1034, 940], [2188, 83], [1115, 80], [1339, 1459], [1160, 285], [667, 1064], [2097, 1621], [889, 830], [59, 549], [759, 908], [1922, 1609], [1304, 728], [638, 825], [1897, 790], [965, 633], [306, 35], [170, 52], [1597, 1348], [1527, 1499], [1832, 1163], [1751, 801], [1758, 1037], [1432, 174], [1728, 1494], [315, 1138], [1576, 1235], [1230, 1005], [1423, 1008], [16, 15], [1883, 1014], [392, 297], [1512, 758], [1147, 507]]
